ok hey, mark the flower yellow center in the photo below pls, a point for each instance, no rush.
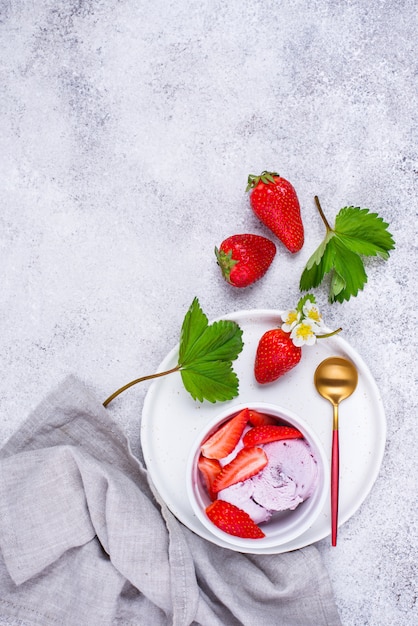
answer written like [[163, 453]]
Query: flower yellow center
[[304, 331], [314, 314], [292, 317]]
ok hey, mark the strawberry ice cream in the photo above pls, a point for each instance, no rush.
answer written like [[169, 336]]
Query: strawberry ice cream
[[288, 479]]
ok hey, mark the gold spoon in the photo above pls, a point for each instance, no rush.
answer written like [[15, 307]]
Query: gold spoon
[[335, 380]]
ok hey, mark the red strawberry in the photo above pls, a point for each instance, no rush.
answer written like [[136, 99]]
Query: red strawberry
[[223, 441], [267, 433], [276, 354], [258, 419], [247, 463], [209, 468], [233, 520], [244, 259], [276, 204]]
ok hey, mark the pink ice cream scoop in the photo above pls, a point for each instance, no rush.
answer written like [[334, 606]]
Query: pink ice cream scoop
[[241, 494], [288, 479]]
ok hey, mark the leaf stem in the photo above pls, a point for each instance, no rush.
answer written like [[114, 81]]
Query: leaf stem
[[322, 214], [334, 332], [139, 380]]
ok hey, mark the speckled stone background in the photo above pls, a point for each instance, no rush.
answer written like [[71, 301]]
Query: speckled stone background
[[128, 129]]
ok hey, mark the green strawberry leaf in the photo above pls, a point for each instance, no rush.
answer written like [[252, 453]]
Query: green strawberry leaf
[[320, 264], [206, 353], [315, 259], [349, 271], [357, 233], [194, 324], [363, 232], [210, 380], [337, 285], [304, 300], [217, 342], [205, 360]]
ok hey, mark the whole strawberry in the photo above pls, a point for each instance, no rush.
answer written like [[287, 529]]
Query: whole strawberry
[[280, 349], [276, 354], [244, 259], [274, 201]]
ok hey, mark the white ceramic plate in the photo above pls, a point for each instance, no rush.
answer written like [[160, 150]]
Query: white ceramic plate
[[171, 421]]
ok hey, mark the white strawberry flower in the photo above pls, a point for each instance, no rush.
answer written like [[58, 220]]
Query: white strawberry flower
[[304, 333], [311, 312], [290, 319]]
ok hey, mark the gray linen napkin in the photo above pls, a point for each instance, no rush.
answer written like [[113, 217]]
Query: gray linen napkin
[[86, 541]]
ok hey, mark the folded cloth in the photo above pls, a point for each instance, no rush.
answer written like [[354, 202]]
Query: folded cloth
[[85, 539]]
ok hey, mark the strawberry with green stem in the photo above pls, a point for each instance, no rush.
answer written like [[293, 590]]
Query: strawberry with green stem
[[274, 201], [244, 259]]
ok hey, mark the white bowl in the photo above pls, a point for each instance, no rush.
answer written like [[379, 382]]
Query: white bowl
[[282, 527]]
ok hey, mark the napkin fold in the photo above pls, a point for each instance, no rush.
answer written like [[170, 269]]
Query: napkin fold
[[85, 539]]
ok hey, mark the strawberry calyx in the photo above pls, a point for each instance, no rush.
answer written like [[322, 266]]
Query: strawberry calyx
[[225, 262], [265, 177]]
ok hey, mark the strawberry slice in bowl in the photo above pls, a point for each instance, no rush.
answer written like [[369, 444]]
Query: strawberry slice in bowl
[[224, 491], [209, 470], [269, 433], [233, 520], [225, 438], [247, 463]]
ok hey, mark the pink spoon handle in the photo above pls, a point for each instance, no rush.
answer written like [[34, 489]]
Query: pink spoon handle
[[335, 472]]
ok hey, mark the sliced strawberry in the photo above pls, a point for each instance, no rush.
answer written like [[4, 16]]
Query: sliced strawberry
[[209, 468], [233, 520], [223, 441], [269, 432], [258, 419], [247, 463]]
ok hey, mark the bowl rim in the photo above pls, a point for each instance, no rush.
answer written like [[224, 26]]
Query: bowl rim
[[321, 491]]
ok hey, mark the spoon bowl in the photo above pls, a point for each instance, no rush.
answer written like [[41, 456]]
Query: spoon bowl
[[335, 379]]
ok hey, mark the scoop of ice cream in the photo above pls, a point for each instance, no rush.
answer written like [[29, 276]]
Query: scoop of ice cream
[[289, 477], [240, 494]]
